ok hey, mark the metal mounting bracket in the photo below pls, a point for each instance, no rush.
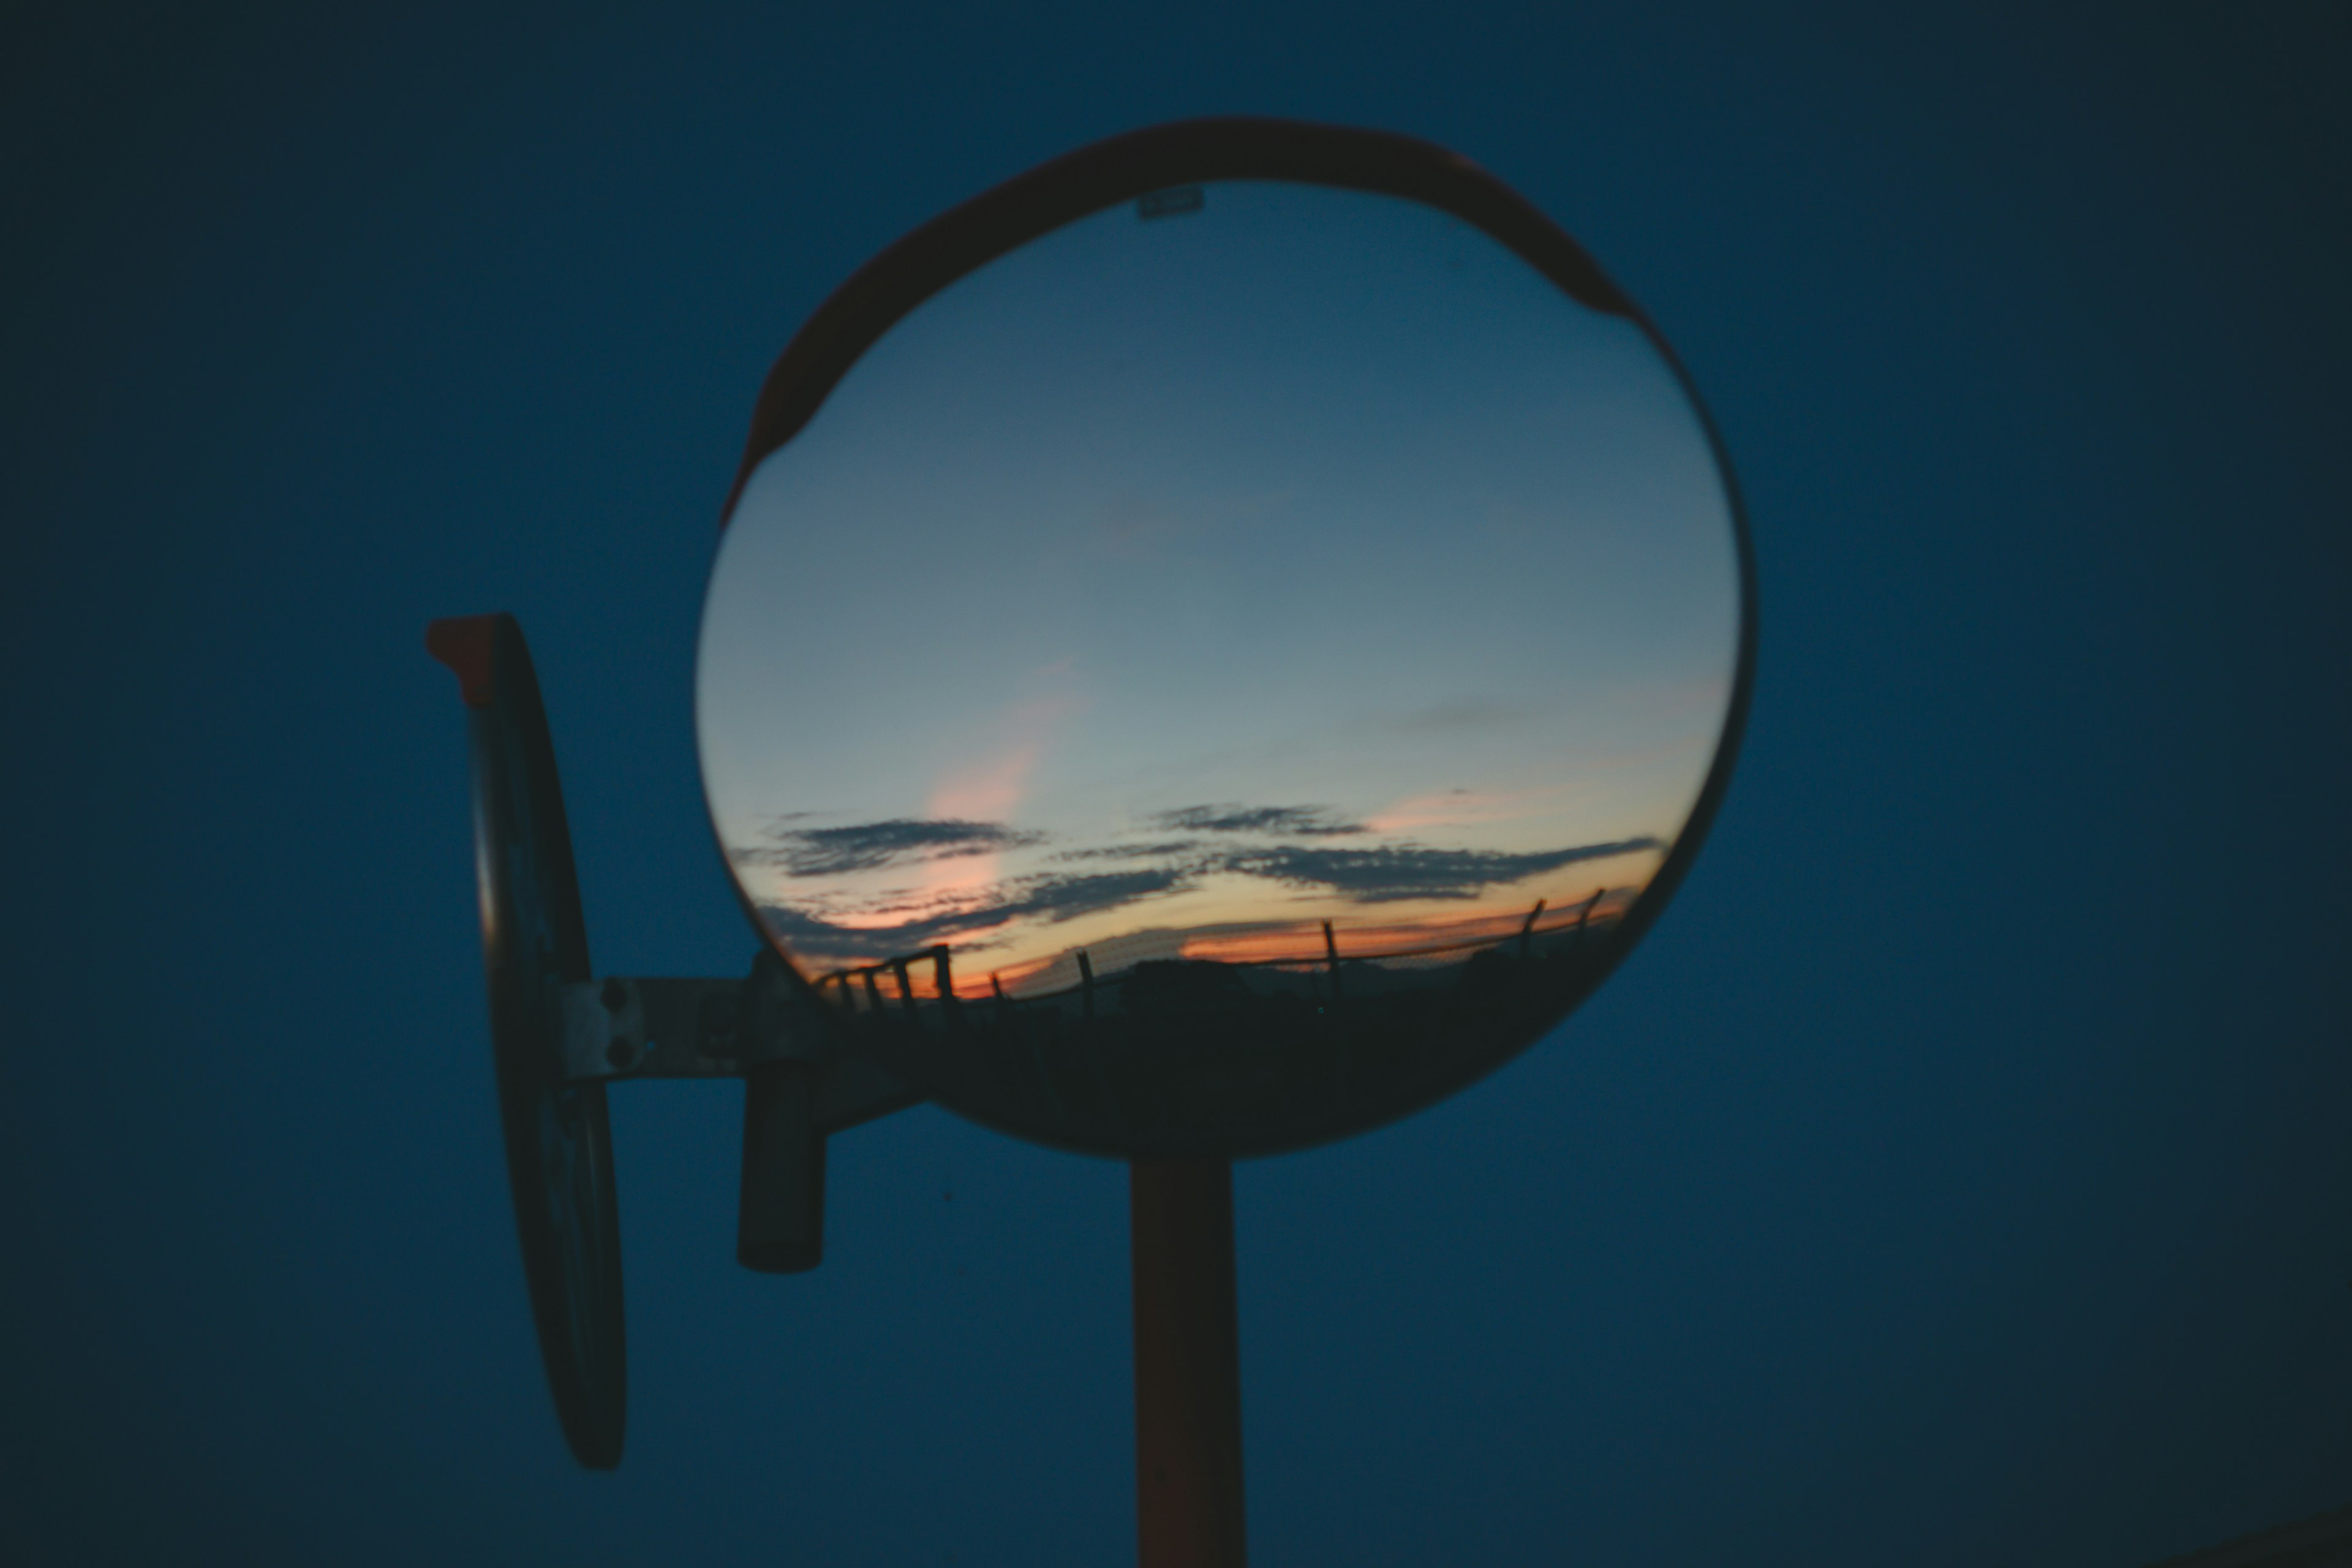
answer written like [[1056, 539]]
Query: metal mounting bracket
[[630, 1027]]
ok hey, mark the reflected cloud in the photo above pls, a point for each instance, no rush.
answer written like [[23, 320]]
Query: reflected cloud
[[1061, 898], [819, 940], [1298, 821], [906, 919], [1131, 851], [1409, 871], [1050, 899], [869, 846]]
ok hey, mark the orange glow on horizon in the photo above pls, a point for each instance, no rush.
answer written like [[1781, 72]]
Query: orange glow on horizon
[[1293, 942]]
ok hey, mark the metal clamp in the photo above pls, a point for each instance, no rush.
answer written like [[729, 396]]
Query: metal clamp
[[625, 1026]]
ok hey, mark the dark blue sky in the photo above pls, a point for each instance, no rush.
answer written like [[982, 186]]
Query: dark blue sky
[[1958, 1173]]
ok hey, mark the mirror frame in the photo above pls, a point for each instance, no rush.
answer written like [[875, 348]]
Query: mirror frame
[[1127, 167]]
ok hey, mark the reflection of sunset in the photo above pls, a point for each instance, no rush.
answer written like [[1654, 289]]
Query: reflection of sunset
[[976, 974], [1303, 943], [1218, 608], [1226, 918]]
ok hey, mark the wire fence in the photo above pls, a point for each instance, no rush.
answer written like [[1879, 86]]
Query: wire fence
[[846, 988]]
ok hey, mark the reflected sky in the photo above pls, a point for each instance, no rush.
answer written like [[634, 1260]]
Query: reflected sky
[[1173, 586]]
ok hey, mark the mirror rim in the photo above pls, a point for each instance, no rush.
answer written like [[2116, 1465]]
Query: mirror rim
[[1125, 167]]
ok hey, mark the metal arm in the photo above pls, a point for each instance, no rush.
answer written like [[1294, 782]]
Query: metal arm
[[804, 1078], [625, 1027]]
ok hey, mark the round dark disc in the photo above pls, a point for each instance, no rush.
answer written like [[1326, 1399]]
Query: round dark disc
[[558, 1139]]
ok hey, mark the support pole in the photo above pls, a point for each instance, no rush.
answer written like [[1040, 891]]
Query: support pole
[[780, 1225], [1188, 1383]]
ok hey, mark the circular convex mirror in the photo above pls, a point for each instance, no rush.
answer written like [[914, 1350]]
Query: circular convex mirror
[[1221, 641]]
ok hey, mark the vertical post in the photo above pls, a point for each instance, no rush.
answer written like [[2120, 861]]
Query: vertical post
[[906, 989], [1188, 1381], [1338, 995], [780, 1224]]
